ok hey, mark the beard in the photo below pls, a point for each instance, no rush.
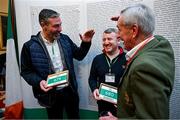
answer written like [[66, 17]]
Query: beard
[[56, 35]]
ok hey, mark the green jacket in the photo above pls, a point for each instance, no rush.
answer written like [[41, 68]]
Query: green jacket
[[147, 82]]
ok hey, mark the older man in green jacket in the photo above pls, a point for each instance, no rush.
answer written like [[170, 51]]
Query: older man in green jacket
[[147, 83]]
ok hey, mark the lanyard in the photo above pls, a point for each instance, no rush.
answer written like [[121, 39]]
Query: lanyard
[[53, 50], [111, 63]]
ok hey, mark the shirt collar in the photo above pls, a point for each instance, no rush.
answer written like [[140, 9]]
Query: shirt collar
[[130, 53]]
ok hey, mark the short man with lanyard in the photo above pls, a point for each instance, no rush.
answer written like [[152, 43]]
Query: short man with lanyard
[[107, 68]]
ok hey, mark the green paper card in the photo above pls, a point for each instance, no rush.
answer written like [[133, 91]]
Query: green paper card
[[59, 78], [108, 93]]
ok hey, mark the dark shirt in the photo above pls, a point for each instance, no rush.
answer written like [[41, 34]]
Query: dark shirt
[[100, 67]]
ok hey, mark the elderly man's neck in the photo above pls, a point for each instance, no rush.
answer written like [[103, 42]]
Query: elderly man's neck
[[141, 37]]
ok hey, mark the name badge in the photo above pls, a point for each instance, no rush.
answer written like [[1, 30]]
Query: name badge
[[110, 77], [60, 79], [108, 93]]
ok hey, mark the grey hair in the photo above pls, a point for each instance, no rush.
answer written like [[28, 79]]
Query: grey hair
[[142, 16], [110, 30], [45, 14]]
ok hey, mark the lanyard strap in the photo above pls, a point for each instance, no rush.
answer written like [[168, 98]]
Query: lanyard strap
[[53, 50], [111, 63]]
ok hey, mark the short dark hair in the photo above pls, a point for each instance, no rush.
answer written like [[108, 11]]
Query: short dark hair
[[110, 30], [45, 14]]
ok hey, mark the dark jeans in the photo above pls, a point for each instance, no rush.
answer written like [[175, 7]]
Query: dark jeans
[[104, 106], [65, 99]]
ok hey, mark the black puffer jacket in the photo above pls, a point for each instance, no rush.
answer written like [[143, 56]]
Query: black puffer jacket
[[36, 64]]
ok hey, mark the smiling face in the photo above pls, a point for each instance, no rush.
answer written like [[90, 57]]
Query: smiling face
[[110, 43], [53, 28], [126, 34]]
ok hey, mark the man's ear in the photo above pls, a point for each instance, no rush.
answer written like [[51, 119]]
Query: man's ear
[[42, 24], [135, 30], [118, 38]]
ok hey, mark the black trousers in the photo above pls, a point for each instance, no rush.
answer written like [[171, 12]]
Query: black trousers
[[68, 100], [104, 106]]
